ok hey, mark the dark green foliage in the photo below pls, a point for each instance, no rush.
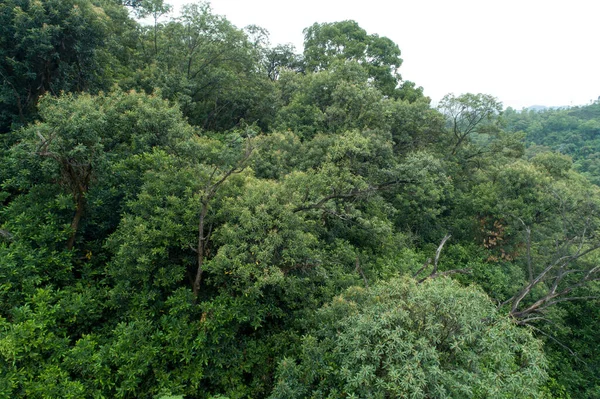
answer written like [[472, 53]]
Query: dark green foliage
[[208, 66], [53, 46], [579, 372]]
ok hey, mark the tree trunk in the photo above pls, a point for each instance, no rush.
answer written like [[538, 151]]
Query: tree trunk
[[200, 249], [76, 219]]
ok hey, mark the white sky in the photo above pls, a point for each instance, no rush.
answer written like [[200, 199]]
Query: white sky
[[525, 52]]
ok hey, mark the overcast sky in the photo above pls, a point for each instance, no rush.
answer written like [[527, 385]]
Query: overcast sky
[[525, 52]]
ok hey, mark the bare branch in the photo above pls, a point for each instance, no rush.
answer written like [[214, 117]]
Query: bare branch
[[535, 318], [529, 262], [324, 200], [354, 193], [39, 134], [438, 252], [563, 262], [573, 298], [434, 273]]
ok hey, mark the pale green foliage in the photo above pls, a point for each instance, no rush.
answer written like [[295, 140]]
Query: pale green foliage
[[557, 165], [400, 339]]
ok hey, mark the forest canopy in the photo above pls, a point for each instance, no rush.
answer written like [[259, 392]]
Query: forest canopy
[[190, 211]]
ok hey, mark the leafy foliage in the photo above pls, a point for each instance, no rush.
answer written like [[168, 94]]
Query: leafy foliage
[[570, 131], [400, 339]]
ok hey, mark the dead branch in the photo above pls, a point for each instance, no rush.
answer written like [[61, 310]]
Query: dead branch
[[425, 266], [6, 234], [560, 264], [466, 270], [319, 204], [554, 275], [555, 340], [529, 263], [438, 252], [434, 273]]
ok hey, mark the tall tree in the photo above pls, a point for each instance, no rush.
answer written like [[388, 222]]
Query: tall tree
[[469, 115], [48, 46], [155, 9], [80, 138], [327, 43], [210, 68]]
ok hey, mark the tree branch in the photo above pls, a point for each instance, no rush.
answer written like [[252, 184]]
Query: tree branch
[[354, 193], [555, 340], [360, 271], [466, 270], [208, 195]]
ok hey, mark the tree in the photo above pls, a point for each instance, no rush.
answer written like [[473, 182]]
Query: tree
[[48, 47], [414, 125], [240, 221], [155, 9], [202, 166], [572, 131], [210, 68], [80, 138], [328, 43], [400, 339], [469, 115], [217, 178], [542, 218], [557, 275], [281, 57]]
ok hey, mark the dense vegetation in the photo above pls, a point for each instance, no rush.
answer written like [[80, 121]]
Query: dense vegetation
[[188, 211], [573, 131]]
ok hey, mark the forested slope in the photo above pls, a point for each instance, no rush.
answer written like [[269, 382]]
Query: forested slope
[[572, 131], [188, 211]]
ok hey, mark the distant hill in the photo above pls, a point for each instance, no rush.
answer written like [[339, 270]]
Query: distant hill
[[540, 108], [574, 131], [537, 108]]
